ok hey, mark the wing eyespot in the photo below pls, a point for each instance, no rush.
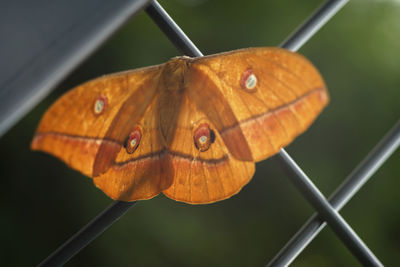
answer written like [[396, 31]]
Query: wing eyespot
[[100, 105], [133, 140], [203, 137], [248, 80]]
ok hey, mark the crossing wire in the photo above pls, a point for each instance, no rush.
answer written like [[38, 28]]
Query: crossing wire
[[298, 177], [325, 210], [358, 177]]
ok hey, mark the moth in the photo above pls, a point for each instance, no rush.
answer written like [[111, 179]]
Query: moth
[[191, 128]]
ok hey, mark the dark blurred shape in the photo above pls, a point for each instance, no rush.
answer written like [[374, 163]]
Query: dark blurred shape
[[43, 41]]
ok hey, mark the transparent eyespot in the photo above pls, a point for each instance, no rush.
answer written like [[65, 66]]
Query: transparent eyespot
[[100, 105], [133, 140], [248, 81], [203, 137]]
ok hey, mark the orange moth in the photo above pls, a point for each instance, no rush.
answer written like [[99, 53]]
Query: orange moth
[[191, 128]]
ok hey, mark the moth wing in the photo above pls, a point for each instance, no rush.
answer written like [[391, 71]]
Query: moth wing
[[259, 99], [202, 176], [143, 172], [89, 140]]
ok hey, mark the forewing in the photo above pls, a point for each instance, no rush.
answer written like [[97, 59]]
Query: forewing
[[88, 141], [259, 99]]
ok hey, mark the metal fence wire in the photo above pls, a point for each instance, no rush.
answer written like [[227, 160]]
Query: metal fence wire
[[327, 211]]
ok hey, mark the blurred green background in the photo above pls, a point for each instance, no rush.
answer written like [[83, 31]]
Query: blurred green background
[[43, 202]]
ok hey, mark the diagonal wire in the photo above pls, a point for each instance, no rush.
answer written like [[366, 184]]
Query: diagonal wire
[[310, 191], [318, 19], [105, 219], [298, 177], [87, 234], [333, 218], [358, 177], [172, 30], [305, 235]]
